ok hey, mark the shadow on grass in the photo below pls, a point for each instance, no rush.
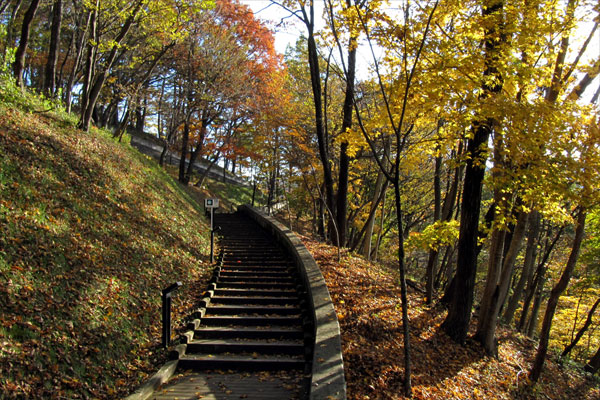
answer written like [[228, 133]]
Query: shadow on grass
[[90, 237]]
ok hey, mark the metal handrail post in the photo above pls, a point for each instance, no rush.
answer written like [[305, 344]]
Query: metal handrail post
[[212, 243], [212, 246], [166, 313]]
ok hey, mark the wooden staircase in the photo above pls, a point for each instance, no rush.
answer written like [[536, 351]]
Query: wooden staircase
[[254, 317]]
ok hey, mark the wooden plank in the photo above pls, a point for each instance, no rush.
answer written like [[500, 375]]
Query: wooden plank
[[220, 385]]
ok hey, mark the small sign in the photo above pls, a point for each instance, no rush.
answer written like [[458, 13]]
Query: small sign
[[211, 203]]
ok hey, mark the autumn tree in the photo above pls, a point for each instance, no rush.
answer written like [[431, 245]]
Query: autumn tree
[[456, 323], [19, 61], [306, 14]]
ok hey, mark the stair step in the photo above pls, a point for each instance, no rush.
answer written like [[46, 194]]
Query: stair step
[[255, 269], [258, 263], [205, 332], [283, 300], [267, 249], [246, 309], [230, 320], [248, 242], [270, 363], [239, 274], [247, 346], [250, 293], [258, 256], [255, 279], [255, 285]]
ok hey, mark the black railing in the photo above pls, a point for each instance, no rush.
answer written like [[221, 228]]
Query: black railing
[[166, 313]]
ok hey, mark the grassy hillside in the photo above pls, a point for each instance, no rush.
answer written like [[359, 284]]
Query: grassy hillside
[[91, 231]]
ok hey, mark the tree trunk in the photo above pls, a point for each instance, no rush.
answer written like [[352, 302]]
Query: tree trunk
[[582, 330], [123, 125], [365, 248], [499, 235], [90, 60], [403, 290], [4, 5], [594, 364], [163, 153], [315, 78], [447, 208], [198, 149], [432, 261], [272, 180], [510, 256], [447, 270], [456, 324], [557, 290], [530, 255], [10, 26], [50, 72], [342, 194], [535, 310], [19, 63], [184, 150], [93, 94], [207, 170], [487, 332], [140, 117], [168, 141], [321, 220], [380, 231], [73, 74], [539, 277]]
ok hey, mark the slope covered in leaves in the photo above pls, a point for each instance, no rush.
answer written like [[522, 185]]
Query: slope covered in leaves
[[91, 231], [367, 300]]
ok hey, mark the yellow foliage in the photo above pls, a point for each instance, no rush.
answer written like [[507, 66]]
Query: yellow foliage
[[355, 141]]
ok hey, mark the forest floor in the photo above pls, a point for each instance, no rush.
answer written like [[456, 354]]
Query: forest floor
[[90, 232], [366, 297]]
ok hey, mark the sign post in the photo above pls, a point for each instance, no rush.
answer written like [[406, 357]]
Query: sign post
[[211, 204]]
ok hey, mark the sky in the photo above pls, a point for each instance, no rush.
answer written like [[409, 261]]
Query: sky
[[294, 28], [287, 35]]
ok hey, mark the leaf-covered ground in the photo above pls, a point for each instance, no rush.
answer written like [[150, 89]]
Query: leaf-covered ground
[[367, 301], [91, 231]]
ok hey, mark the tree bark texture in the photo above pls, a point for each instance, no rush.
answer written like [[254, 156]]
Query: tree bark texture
[[432, 260], [99, 80], [19, 63], [456, 324], [557, 290], [379, 192], [342, 193], [530, 256], [538, 282], [594, 364], [184, 150], [50, 71], [582, 330], [315, 79], [487, 332], [403, 290]]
